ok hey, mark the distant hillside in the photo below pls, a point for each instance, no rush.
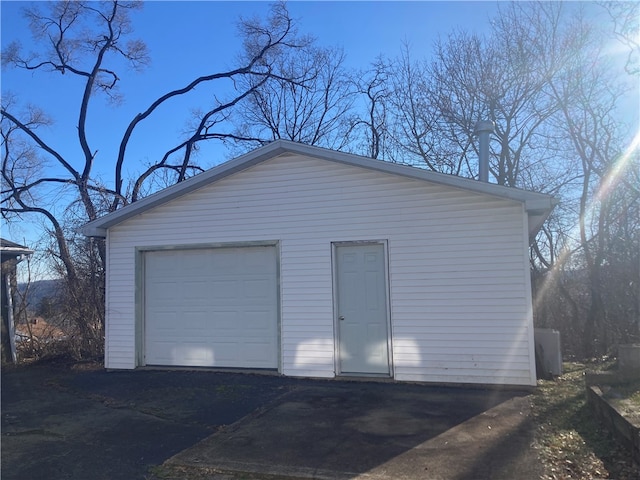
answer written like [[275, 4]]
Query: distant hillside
[[39, 290]]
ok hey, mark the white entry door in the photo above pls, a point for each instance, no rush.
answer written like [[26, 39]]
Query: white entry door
[[212, 307], [362, 313]]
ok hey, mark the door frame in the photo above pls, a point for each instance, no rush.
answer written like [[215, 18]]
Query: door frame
[[336, 325]]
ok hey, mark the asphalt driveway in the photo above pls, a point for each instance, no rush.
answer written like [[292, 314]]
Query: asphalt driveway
[[77, 423]]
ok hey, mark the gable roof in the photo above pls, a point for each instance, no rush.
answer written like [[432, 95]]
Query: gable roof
[[537, 205]]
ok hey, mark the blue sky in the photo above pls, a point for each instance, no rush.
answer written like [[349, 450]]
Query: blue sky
[[188, 39]]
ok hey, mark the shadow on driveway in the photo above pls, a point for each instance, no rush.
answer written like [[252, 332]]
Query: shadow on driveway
[[331, 430], [62, 423]]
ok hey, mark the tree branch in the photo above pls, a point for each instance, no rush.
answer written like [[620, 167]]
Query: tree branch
[[40, 143]]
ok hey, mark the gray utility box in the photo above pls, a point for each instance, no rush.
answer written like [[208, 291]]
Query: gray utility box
[[548, 350]]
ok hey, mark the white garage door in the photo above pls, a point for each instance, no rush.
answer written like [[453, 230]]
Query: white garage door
[[212, 307]]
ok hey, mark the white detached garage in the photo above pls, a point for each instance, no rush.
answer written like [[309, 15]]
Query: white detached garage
[[312, 262]]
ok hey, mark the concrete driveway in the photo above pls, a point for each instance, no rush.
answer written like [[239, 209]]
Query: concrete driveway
[[61, 423]]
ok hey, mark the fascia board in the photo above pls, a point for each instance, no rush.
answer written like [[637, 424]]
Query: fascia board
[[89, 230], [15, 251]]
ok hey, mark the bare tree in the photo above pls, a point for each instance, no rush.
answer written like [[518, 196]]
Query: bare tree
[[413, 118], [86, 41], [541, 76], [626, 20], [589, 97], [437, 103], [311, 110], [369, 131]]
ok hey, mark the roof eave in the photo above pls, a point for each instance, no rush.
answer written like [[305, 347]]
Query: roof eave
[[89, 230], [10, 253], [538, 212]]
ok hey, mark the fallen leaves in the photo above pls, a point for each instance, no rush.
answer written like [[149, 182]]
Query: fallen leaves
[[567, 456], [570, 442]]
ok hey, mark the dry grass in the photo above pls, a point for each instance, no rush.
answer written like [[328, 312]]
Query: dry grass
[[571, 442]]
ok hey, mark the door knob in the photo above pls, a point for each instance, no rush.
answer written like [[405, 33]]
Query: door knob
[[341, 317]]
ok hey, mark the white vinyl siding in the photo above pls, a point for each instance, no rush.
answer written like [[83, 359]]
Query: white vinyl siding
[[459, 299]]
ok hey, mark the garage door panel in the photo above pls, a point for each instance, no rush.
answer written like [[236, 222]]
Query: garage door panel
[[259, 352], [226, 323], [257, 263], [196, 291], [257, 289], [192, 261], [194, 353], [259, 323], [225, 290], [162, 270], [163, 291], [196, 321], [162, 351], [211, 307], [166, 321], [191, 354], [226, 260]]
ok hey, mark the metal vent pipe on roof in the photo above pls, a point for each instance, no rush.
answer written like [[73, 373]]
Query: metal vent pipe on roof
[[484, 128]]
